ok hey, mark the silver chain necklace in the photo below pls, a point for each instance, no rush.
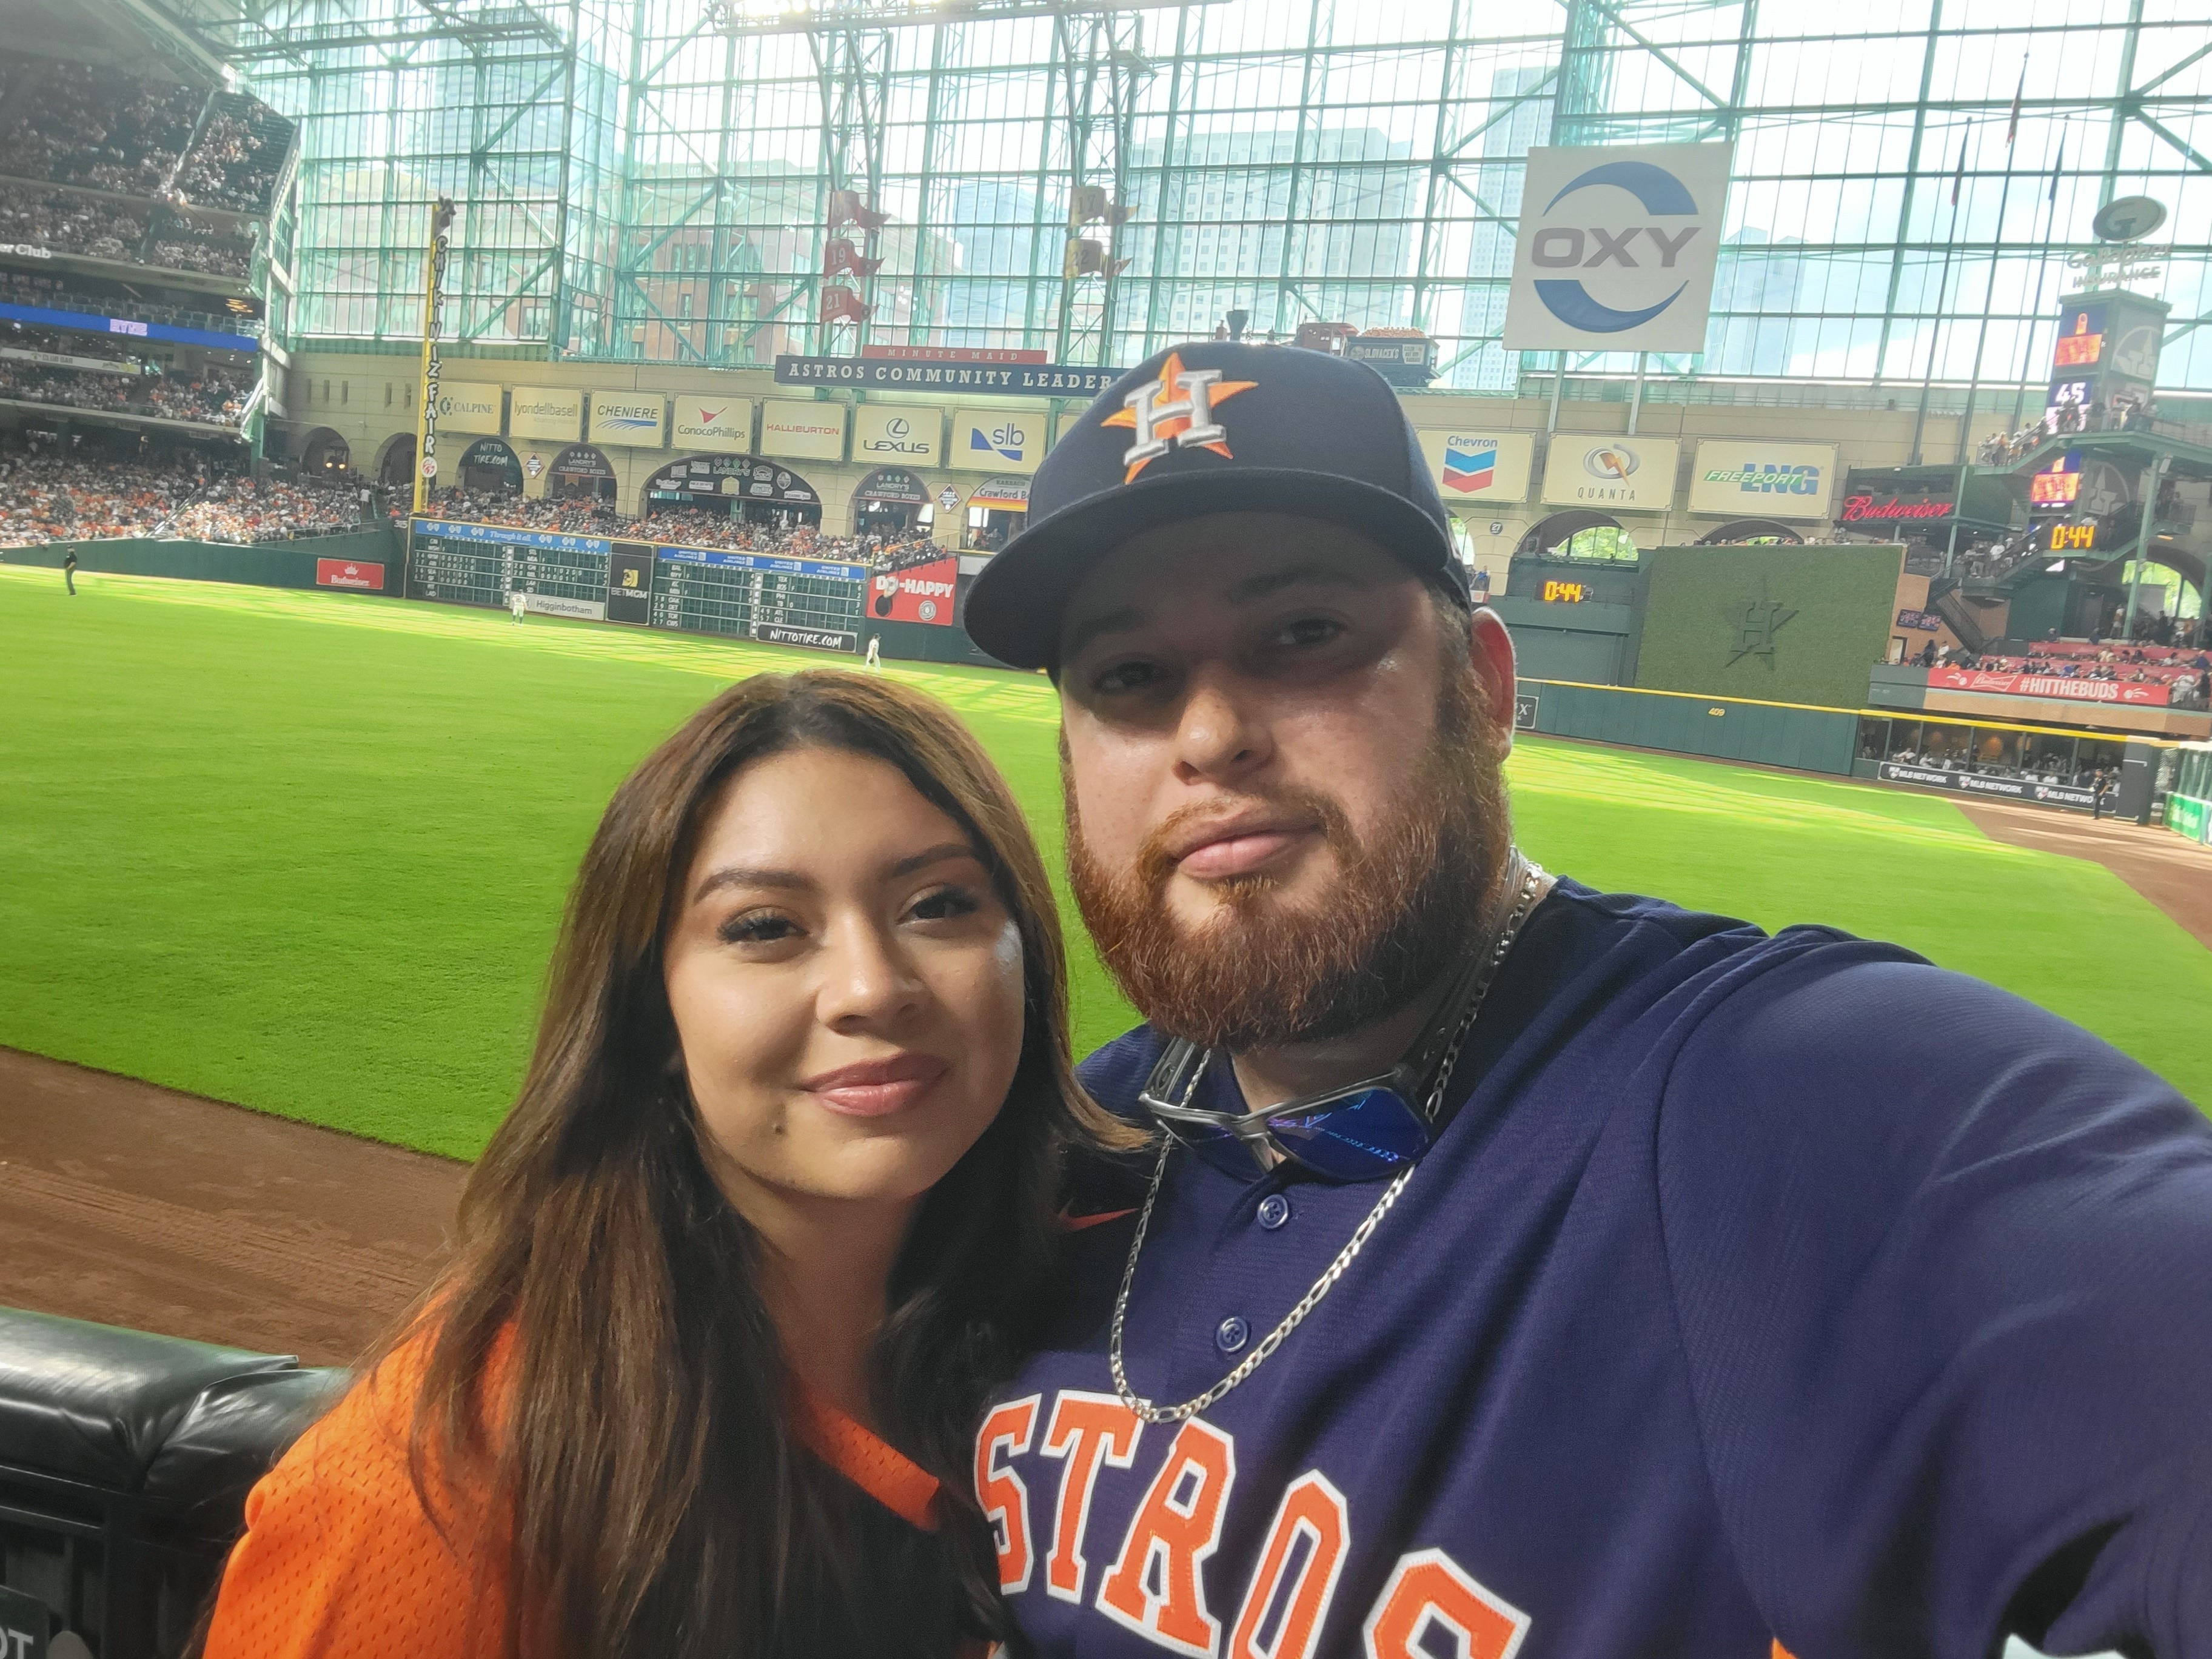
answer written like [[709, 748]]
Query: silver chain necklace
[[1530, 888]]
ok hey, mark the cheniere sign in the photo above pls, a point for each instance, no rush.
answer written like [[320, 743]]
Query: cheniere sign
[[1009, 380]]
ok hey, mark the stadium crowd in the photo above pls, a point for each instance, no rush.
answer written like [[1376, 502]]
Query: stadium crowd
[[47, 496], [232, 166], [75, 124], [2186, 673], [209, 394], [683, 526]]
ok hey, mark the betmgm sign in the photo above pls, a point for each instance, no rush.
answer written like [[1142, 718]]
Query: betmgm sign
[[1617, 248]]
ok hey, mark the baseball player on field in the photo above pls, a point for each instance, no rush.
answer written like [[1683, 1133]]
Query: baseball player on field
[[1524, 1270]]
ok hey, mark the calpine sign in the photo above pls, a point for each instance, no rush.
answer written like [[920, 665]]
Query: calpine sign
[[1617, 247]]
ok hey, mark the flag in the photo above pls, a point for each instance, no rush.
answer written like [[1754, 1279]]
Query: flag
[[1959, 178], [2012, 127], [845, 207], [843, 303], [839, 254]]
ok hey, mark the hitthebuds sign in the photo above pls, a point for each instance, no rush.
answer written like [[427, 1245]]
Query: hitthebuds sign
[[1617, 247]]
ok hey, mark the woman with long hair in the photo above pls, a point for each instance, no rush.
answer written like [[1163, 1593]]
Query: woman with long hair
[[772, 1213]]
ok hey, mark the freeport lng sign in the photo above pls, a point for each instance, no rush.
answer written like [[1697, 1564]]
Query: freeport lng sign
[[1617, 247]]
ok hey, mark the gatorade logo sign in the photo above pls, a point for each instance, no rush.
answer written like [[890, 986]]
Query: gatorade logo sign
[[1617, 247]]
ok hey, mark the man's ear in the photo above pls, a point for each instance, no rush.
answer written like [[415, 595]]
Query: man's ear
[[1491, 648]]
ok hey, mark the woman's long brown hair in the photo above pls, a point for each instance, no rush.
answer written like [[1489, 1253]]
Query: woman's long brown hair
[[658, 1501]]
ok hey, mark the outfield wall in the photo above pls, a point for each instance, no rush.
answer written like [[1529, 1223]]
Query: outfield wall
[[1805, 739], [318, 562]]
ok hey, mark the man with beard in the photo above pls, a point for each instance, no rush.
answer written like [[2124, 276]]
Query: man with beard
[[1525, 1270]]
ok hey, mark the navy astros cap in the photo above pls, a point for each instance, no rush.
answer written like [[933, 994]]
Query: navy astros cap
[[1212, 427]]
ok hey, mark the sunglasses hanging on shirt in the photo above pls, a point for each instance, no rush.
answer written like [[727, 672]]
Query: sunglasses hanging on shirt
[[1366, 1130]]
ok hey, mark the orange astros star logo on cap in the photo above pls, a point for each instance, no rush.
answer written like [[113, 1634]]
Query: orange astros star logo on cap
[[1175, 410]]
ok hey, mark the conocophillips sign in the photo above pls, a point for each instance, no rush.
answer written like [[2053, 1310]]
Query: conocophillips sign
[[1617, 247], [1746, 478]]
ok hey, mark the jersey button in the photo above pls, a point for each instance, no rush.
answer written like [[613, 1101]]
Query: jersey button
[[1274, 1210], [1231, 1334]]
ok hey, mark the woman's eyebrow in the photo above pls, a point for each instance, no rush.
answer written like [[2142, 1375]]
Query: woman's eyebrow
[[944, 851], [739, 875]]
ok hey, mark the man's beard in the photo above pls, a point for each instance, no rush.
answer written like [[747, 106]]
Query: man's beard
[[1258, 974]]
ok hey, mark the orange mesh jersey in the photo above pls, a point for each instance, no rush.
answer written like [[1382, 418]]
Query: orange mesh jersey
[[341, 1561]]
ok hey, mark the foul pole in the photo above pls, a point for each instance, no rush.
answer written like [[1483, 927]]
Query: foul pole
[[434, 304]]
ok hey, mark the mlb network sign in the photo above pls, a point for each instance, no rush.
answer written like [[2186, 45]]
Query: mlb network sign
[[1748, 479], [1617, 248]]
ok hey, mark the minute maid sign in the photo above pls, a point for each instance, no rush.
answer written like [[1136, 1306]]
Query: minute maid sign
[[1746, 478], [1617, 247]]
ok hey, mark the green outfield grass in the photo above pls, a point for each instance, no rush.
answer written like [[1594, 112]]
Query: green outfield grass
[[307, 851]]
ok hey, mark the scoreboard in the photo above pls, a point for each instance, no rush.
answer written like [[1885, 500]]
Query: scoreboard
[[483, 564], [811, 602]]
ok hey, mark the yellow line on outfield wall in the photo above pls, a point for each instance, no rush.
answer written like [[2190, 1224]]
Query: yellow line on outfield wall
[[1941, 716]]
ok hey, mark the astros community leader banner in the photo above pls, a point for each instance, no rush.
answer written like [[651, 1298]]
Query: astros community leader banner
[[1617, 247]]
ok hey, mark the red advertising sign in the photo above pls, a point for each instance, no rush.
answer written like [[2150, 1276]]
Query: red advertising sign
[[349, 572], [1867, 507], [2157, 693], [913, 354], [920, 592]]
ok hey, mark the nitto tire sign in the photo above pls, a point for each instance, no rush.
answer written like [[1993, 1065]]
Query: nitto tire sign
[[1617, 248]]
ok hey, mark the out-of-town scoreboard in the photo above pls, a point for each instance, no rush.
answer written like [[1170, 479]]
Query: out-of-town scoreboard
[[809, 602]]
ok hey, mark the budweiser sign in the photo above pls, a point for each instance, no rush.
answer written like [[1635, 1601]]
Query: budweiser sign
[[1866, 506], [2155, 694]]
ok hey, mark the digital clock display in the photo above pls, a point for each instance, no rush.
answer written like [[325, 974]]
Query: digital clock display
[[1559, 592], [2072, 538]]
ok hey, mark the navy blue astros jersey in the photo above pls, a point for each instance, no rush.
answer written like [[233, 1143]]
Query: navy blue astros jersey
[[1767, 1294]]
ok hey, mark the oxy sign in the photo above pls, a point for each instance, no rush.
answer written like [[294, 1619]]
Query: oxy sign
[[1617, 247], [1745, 477]]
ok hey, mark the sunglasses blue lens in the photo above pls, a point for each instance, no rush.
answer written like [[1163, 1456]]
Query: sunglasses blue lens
[[1376, 1132], [1359, 1138]]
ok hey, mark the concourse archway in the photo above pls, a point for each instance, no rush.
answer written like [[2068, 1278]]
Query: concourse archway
[[1580, 532], [581, 472], [326, 455], [395, 467], [892, 502], [489, 467], [745, 489], [1739, 531]]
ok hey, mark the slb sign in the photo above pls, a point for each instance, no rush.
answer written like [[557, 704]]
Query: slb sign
[[1617, 247]]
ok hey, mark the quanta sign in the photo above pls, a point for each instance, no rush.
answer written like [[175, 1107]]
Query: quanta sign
[[1617, 247], [1636, 473]]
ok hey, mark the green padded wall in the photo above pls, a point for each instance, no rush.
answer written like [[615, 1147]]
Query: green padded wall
[[1782, 625]]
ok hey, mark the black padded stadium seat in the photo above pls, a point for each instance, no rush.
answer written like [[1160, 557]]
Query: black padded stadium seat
[[96, 1402], [124, 1462]]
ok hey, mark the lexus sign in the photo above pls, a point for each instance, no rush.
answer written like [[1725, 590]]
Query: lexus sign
[[1617, 248]]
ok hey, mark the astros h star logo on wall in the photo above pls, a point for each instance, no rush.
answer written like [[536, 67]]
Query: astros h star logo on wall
[[1174, 411]]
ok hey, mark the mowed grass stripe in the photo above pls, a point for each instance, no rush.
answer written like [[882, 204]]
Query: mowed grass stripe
[[308, 852]]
